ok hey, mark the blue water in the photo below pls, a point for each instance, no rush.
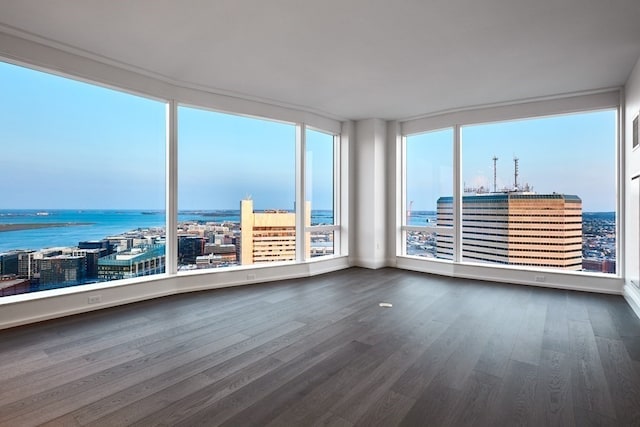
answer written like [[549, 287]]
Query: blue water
[[424, 218], [98, 224]]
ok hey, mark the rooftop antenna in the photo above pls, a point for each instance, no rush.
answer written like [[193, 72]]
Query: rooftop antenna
[[515, 173], [495, 180]]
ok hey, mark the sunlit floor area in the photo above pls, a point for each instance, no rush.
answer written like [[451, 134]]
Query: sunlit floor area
[[325, 351]]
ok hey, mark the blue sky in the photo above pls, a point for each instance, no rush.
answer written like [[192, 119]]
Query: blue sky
[[570, 154], [67, 144], [71, 145]]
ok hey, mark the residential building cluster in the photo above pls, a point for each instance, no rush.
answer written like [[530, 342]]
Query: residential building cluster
[[259, 237], [131, 254]]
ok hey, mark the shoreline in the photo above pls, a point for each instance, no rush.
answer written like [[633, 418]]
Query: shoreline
[[35, 226]]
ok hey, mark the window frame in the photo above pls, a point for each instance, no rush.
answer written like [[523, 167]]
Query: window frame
[[557, 106], [335, 228], [84, 70], [404, 227]]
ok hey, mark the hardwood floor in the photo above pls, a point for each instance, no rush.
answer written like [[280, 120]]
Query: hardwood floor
[[322, 352]]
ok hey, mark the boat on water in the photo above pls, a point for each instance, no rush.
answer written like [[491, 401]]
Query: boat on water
[[42, 213]]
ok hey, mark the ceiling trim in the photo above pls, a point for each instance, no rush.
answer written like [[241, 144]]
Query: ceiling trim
[[44, 41], [516, 110]]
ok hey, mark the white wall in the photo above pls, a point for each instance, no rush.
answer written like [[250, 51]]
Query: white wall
[[632, 193]]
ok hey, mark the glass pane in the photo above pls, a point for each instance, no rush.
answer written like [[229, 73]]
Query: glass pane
[[322, 243], [84, 174], [429, 244], [429, 169], [541, 192], [236, 190], [319, 177]]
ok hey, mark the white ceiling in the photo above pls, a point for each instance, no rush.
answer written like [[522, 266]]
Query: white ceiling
[[355, 58]]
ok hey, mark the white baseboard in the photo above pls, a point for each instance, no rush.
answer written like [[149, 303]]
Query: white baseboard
[[632, 295], [24, 309], [368, 263], [551, 279]]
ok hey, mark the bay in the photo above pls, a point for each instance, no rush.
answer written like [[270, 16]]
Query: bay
[[98, 224]]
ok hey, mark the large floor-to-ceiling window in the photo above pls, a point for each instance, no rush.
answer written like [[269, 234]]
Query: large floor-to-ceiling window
[[534, 193], [87, 176], [82, 183], [236, 190], [541, 192], [321, 162], [429, 174]]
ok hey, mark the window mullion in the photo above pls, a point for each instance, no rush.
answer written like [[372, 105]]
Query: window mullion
[[457, 193], [300, 192], [171, 198]]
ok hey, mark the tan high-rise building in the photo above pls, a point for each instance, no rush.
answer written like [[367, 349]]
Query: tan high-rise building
[[271, 235], [528, 229]]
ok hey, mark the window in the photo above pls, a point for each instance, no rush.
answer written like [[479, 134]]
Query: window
[[320, 158], [535, 193], [236, 190], [541, 192], [83, 170], [83, 183], [428, 224]]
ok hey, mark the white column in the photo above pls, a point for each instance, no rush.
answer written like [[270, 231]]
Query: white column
[[369, 199]]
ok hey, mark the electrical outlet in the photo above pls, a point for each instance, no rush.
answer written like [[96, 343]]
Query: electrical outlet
[[94, 299], [540, 279]]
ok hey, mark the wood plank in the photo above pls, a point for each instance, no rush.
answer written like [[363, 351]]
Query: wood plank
[[320, 351], [556, 329], [602, 324], [479, 393], [322, 398], [622, 378], [590, 390], [514, 404], [263, 399], [47, 404], [576, 307], [143, 395], [362, 397], [388, 410], [496, 354], [421, 373], [432, 407], [331, 420], [554, 401], [528, 343]]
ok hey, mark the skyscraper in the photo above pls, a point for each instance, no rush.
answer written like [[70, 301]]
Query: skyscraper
[[270, 235], [516, 228]]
